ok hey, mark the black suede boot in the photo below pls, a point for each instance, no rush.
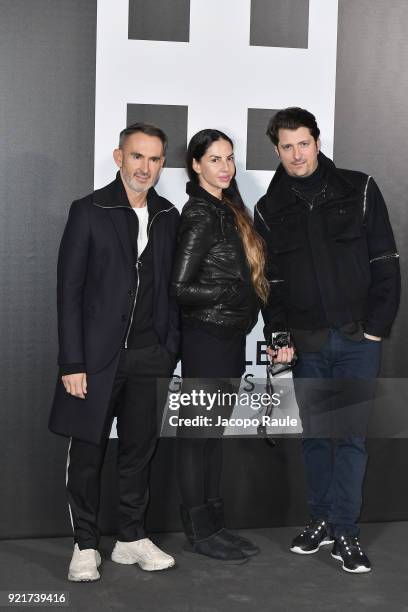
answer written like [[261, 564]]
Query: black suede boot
[[216, 506], [204, 539]]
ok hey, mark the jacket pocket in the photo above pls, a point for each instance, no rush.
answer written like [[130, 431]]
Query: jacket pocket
[[343, 222], [286, 233]]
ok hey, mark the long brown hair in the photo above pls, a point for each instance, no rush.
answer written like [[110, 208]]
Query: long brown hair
[[252, 242], [254, 249]]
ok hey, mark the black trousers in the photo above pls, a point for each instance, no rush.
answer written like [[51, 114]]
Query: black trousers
[[136, 404], [219, 364]]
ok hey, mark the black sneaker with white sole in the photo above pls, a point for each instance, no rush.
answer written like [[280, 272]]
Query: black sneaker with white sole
[[347, 549], [314, 535]]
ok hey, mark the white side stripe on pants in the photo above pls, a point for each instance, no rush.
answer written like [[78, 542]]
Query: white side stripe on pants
[[66, 483]]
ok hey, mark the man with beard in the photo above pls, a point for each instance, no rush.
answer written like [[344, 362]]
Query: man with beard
[[118, 333], [335, 286]]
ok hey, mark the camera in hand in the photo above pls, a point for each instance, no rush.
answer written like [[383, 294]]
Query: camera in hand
[[280, 340]]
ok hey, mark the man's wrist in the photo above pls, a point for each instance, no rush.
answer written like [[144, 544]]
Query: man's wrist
[[371, 337], [71, 368]]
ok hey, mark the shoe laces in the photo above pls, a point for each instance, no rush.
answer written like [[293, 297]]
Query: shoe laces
[[314, 527], [351, 544], [150, 548]]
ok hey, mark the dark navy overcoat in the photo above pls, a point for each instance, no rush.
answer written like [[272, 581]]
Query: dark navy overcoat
[[96, 285]]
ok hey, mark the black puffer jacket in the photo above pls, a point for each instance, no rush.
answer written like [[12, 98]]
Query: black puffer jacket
[[211, 277]]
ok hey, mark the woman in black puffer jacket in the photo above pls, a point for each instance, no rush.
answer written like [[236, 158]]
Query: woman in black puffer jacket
[[219, 282]]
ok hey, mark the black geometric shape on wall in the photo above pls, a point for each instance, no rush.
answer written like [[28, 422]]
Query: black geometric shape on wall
[[260, 150], [172, 119], [280, 23], [159, 20]]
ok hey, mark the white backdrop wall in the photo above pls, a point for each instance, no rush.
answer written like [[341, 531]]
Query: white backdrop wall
[[218, 75]]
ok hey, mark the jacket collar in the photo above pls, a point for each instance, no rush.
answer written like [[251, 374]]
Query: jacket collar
[[196, 191], [114, 196], [114, 200], [280, 192]]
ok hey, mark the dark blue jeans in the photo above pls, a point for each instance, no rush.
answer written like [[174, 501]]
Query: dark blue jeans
[[335, 468]]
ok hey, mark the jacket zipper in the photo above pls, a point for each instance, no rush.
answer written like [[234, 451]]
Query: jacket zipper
[[138, 263], [137, 266], [260, 215], [389, 256], [312, 203], [313, 255]]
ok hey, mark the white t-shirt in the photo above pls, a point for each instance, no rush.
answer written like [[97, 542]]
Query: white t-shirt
[[143, 217]]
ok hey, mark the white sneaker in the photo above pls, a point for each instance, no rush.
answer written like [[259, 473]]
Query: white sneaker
[[84, 565], [143, 552]]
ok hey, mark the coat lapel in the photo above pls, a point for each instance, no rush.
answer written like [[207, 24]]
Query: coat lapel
[[158, 253], [119, 219], [115, 201], [113, 198]]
